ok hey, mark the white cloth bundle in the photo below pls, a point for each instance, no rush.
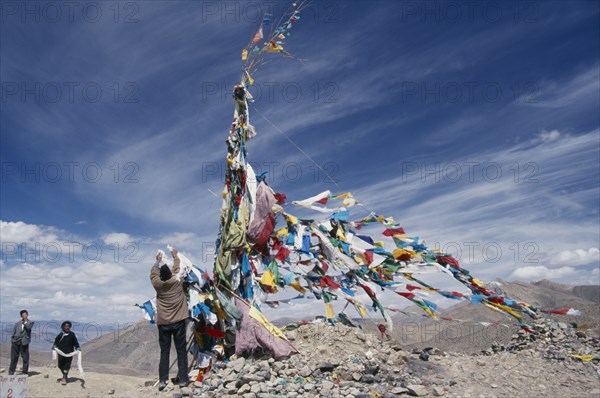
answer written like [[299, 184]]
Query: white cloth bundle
[[56, 351], [165, 260], [185, 265]]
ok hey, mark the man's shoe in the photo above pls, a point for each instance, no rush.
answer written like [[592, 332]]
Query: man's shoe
[[183, 384], [11, 373], [63, 381], [161, 385]]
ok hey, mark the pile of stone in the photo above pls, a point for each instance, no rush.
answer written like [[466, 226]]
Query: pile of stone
[[334, 361], [555, 340]]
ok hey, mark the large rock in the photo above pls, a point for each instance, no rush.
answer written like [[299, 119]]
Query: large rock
[[306, 371], [327, 385], [238, 364], [417, 390], [399, 390], [244, 389]]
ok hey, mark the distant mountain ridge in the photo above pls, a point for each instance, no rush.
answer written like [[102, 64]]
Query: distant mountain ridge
[[591, 293]]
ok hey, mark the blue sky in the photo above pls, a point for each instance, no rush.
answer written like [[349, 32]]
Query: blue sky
[[475, 126]]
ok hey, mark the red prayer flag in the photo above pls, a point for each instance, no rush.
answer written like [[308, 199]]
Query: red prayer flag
[[330, 282], [282, 253], [448, 260], [219, 334], [409, 296], [393, 231], [562, 311], [281, 197]]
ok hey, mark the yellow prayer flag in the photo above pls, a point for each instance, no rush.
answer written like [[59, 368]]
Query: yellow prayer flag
[[349, 202], [268, 278], [360, 258], [274, 48], [342, 195], [274, 330], [477, 282], [250, 79], [501, 307], [585, 358], [329, 311], [281, 232], [291, 219], [296, 285], [244, 55], [400, 251], [361, 309], [431, 314]]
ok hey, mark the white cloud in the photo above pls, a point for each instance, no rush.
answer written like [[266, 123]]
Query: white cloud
[[535, 273], [100, 284], [183, 240], [577, 257], [120, 238], [81, 292], [547, 136], [19, 232]]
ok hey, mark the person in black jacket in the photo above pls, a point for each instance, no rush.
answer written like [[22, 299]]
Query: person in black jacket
[[67, 343]]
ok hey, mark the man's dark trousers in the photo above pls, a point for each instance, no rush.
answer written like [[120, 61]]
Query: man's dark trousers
[[16, 350], [165, 332]]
